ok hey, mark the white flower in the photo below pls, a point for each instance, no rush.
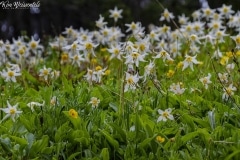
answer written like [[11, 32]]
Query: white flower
[[34, 46], [165, 115], [95, 102], [131, 82], [115, 14], [223, 77], [77, 59], [11, 111], [45, 72], [206, 80], [136, 28], [99, 72], [100, 22], [189, 61], [228, 91], [116, 51], [177, 88], [10, 75], [88, 47], [53, 101], [73, 48], [166, 15], [90, 77], [134, 58], [148, 69], [164, 55], [226, 10], [33, 104]]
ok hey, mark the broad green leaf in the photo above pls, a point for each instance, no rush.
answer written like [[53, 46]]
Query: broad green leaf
[[18, 140], [39, 145], [105, 154], [189, 136], [110, 139], [47, 150], [6, 144]]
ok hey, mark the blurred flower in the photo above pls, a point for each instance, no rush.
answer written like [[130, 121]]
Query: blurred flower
[[134, 58], [164, 55], [77, 59], [170, 73], [73, 113], [189, 61], [11, 111], [206, 80], [88, 48], [64, 58], [237, 40], [33, 104], [116, 51], [148, 70], [45, 72], [166, 15], [224, 60], [99, 72], [223, 77], [226, 10], [131, 82], [90, 77], [100, 22], [53, 101], [228, 91], [160, 139], [10, 74], [95, 102], [115, 14], [177, 88], [165, 115], [35, 47], [55, 74]]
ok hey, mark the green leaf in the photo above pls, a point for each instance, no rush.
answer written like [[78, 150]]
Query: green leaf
[[120, 131], [67, 85], [148, 130], [72, 156], [47, 150], [105, 154], [146, 142], [189, 136], [236, 152], [205, 135], [29, 77], [61, 132], [83, 140], [39, 145], [110, 139], [6, 144], [18, 140]]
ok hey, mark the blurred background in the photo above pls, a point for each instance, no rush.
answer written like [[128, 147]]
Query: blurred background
[[51, 18]]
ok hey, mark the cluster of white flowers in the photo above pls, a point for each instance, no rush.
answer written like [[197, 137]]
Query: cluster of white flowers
[[140, 52]]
